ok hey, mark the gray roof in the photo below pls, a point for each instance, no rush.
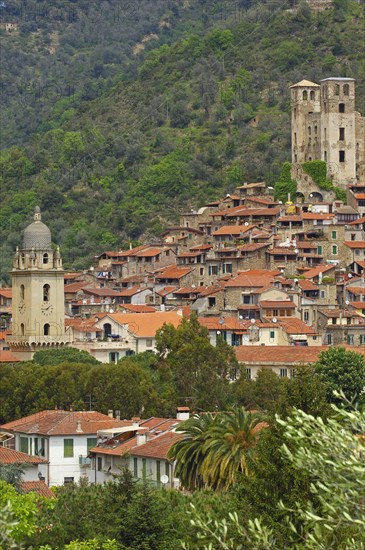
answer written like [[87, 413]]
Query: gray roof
[[37, 235], [341, 78]]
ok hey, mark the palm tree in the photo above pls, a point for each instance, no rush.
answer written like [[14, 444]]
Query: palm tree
[[188, 452], [229, 447]]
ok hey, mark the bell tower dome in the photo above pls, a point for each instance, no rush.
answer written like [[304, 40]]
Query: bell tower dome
[[38, 293]]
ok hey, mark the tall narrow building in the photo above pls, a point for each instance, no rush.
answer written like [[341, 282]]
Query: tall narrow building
[[38, 293]]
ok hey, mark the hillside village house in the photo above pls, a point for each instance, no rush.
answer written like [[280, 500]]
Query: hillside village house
[[142, 447], [62, 438]]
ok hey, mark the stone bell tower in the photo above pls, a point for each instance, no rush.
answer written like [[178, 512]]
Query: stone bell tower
[[38, 293]]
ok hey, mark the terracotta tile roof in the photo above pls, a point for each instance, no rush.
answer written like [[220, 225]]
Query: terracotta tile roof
[[356, 289], [233, 230], [296, 326], [252, 247], [38, 487], [7, 356], [305, 244], [355, 244], [360, 263], [358, 221], [75, 287], [209, 290], [173, 272], [291, 218], [307, 285], [256, 212], [317, 216], [145, 325], [232, 210], [157, 447], [338, 313], [282, 251], [277, 304], [166, 290], [10, 456], [188, 290], [101, 292], [82, 325], [133, 279], [189, 255], [6, 292], [137, 308], [149, 253], [358, 305], [283, 355], [311, 273], [72, 275], [58, 422], [131, 291], [253, 278], [201, 247]]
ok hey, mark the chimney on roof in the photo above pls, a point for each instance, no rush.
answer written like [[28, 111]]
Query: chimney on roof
[[135, 421], [78, 427], [142, 438], [182, 413], [110, 413], [117, 415]]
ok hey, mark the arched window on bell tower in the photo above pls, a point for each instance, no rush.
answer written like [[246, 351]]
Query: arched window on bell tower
[[22, 332], [46, 289], [22, 292], [46, 328], [45, 258]]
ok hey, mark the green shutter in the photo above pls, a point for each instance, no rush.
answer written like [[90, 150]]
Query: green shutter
[[144, 470], [68, 448], [135, 467], [158, 471], [91, 442]]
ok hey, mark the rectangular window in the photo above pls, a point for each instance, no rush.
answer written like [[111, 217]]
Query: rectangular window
[[158, 471], [350, 339], [341, 156], [306, 316], [144, 468], [334, 320], [149, 343], [325, 156], [319, 250], [100, 463], [24, 445], [135, 467], [342, 134], [272, 334], [246, 299], [213, 270], [323, 293], [201, 271], [227, 268], [211, 301], [292, 373], [362, 339], [68, 480], [248, 373], [91, 443], [68, 448], [329, 339], [334, 249], [283, 373], [334, 234]]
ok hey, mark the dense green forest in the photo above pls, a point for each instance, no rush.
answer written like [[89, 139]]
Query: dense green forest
[[118, 115]]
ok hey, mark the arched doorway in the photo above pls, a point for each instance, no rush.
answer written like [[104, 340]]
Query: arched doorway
[[315, 196]]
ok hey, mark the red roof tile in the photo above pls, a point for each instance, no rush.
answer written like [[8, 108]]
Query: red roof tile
[[311, 273], [10, 456], [58, 422], [7, 356], [277, 304], [232, 230], [355, 244], [281, 355], [38, 487], [173, 272], [157, 447], [6, 292], [138, 308]]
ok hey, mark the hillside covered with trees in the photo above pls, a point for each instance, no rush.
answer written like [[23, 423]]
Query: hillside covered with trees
[[117, 116]]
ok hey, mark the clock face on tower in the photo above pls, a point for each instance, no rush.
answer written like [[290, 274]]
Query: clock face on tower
[[21, 307], [46, 308]]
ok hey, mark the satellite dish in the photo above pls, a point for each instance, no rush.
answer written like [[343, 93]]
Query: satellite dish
[[164, 479], [246, 224]]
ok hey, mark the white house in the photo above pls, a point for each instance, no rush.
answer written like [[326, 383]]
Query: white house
[[62, 438]]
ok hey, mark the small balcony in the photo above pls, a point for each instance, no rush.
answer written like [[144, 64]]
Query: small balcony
[[84, 461]]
